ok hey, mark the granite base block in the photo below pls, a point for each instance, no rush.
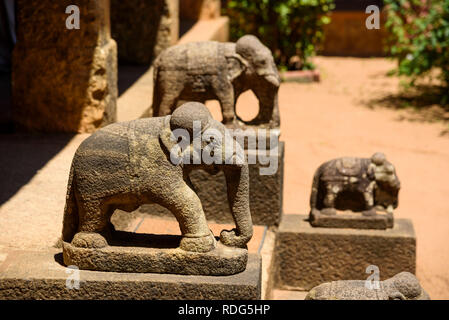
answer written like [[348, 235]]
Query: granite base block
[[306, 256], [265, 193], [41, 275], [169, 258]]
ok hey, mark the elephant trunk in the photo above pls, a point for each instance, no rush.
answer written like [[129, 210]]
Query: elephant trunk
[[268, 104], [237, 181]]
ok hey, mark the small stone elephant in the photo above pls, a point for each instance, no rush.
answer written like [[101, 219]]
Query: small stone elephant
[[201, 71], [127, 164], [356, 184], [402, 286]]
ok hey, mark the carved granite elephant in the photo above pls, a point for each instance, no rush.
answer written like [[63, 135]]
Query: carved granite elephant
[[127, 164], [201, 71], [356, 184], [403, 286]]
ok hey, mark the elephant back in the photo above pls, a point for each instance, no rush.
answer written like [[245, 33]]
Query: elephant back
[[203, 58], [194, 58], [348, 166]]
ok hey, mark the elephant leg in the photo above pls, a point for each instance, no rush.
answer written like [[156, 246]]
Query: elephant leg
[[186, 206], [329, 199], [226, 98], [156, 105], [94, 223], [368, 195], [168, 103]]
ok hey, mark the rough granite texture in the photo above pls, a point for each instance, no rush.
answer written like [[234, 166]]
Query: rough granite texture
[[265, 195], [306, 256], [403, 286], [51, 94], [41, 275], [157, 254], [355, 220], [127, 164], [143, 28], [361, 187]]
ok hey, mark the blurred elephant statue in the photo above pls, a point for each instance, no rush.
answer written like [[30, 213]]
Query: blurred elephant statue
[[201, 71], [403, 286], [127, 164], [356, 184]]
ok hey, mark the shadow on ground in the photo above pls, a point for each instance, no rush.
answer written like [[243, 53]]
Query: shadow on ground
[[22, 155], [128, 74], [423, 102], [5, 103]]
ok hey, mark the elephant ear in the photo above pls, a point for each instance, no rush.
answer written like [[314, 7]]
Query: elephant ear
[[236, 65]]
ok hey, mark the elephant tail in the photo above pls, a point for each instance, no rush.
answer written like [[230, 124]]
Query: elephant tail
[[70, 222], [156, 90]]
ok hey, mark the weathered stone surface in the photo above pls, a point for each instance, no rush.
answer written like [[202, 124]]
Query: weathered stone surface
[[64, 80], [201, 71], [403, 286], [156, 254], [307, 256], [265, 194], [41, 275], [349, 219], [143, 29], [127, 164], [362, 187]]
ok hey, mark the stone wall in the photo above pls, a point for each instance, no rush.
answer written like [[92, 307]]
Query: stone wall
[[199, 9], [347, 35], [144, 28], [63, 80]]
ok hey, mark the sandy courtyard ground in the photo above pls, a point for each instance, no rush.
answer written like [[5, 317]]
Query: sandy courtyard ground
[[330, 119]]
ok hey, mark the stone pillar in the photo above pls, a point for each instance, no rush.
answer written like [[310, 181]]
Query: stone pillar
[[144, 28], [64, 80]]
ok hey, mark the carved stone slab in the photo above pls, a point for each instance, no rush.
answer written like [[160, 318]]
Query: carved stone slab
[[156, 254], [347, 219], [41, 275], [306, 256]]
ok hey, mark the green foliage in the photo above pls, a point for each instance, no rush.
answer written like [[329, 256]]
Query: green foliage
[[292, 29], [419, 37]]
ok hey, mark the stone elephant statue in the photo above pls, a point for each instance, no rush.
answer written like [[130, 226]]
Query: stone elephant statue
[[356, 184], [403, 286], [127, 164], [201, 71]]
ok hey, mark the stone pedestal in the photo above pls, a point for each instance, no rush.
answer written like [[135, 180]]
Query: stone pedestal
[[265, 194], [41, 275], [63, 80], [143, 28], [149, 253], [306, 256]]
